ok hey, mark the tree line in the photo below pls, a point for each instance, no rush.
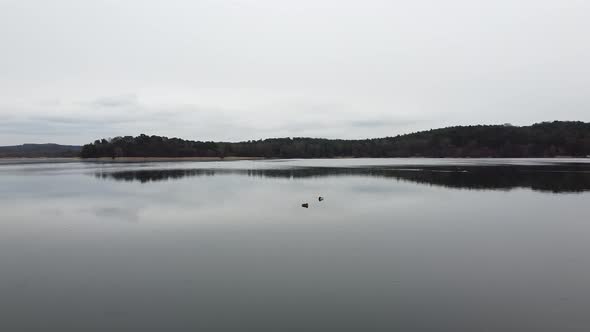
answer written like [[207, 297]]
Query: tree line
[[546, 139], [39, 151], [548, 178]]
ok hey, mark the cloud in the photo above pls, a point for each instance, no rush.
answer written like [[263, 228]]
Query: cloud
[[251, 69], [129, 100], [383, 122], [50, 102], [40, 126], [125, 114]]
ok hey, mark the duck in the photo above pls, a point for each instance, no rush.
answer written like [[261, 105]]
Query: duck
[[305, 205], [320, 198]]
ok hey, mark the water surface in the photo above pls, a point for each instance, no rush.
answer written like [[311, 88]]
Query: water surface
[[397, 244]]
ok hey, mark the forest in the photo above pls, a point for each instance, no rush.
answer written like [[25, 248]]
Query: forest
[[546, 139]]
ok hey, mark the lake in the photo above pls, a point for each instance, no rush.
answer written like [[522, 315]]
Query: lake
[[396, 245]]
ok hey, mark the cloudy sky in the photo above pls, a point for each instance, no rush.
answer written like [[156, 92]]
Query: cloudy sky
[[75, 70]]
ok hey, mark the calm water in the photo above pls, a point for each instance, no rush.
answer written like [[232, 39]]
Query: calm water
[[397, 245]]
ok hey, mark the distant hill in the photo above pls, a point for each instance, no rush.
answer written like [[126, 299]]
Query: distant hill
[[547, 139], [49, 150]]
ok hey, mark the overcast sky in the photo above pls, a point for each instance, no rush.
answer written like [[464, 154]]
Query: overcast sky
[[72, 71]]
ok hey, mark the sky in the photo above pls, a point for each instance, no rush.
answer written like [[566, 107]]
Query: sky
[[72, 71]]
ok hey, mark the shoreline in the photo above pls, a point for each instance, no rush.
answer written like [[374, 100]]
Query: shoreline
[[47, 160], [139, 159], [39, 160]]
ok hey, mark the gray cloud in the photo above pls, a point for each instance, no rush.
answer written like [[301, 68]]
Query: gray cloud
[[115, 101], [384, 122], [244, 69]]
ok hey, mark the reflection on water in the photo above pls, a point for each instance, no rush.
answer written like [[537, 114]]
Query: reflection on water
[[548, 178], [394, 246]]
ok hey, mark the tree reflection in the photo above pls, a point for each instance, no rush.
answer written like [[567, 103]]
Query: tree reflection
[[548, 178]]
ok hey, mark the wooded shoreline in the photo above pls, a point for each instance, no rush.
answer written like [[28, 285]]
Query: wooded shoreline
[[541, 140]]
